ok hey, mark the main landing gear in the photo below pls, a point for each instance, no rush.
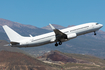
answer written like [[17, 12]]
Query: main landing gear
[[59, 43], [95, 33]]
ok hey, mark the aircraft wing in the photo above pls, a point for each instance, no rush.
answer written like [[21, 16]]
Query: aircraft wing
[[59, 35]]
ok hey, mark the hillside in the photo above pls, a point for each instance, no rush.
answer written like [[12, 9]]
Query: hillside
[[15, 59], [19, 61], [73, 61], [8, 48], [12, 58], [53, 60]]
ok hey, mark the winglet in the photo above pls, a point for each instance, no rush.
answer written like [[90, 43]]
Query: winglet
[[52, 26], [30, 35]]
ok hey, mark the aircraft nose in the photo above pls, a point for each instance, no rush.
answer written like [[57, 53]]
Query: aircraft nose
[[101, 25]]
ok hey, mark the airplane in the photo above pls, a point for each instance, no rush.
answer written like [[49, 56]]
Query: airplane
[[58, 36]]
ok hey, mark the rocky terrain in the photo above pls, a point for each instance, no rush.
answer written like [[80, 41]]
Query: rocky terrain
[[57, 56], [12, 58], [73, 61], [3, 46], [16, 59], [19, 61]]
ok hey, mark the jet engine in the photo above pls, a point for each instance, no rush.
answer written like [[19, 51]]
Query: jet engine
[[71, 36]]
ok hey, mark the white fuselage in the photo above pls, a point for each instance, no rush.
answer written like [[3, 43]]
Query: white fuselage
[[50, 37]]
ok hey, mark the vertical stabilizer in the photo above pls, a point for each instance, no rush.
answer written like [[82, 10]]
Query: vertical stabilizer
[[13, 36]]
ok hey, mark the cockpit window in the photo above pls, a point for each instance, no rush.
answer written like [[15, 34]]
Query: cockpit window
[[96, 23]]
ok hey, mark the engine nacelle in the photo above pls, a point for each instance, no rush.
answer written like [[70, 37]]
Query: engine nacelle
[[71, 36]]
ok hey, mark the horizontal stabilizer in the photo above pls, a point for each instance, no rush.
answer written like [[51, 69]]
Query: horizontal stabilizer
[[14, 43], [7, 45]]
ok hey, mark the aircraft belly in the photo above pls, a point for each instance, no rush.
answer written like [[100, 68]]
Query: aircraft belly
[[41, 42]]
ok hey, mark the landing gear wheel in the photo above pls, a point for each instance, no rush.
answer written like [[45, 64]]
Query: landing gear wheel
[[60, 43], [56, 44], [95, 33]]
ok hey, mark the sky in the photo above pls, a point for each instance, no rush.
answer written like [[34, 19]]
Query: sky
[[40, 13]]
